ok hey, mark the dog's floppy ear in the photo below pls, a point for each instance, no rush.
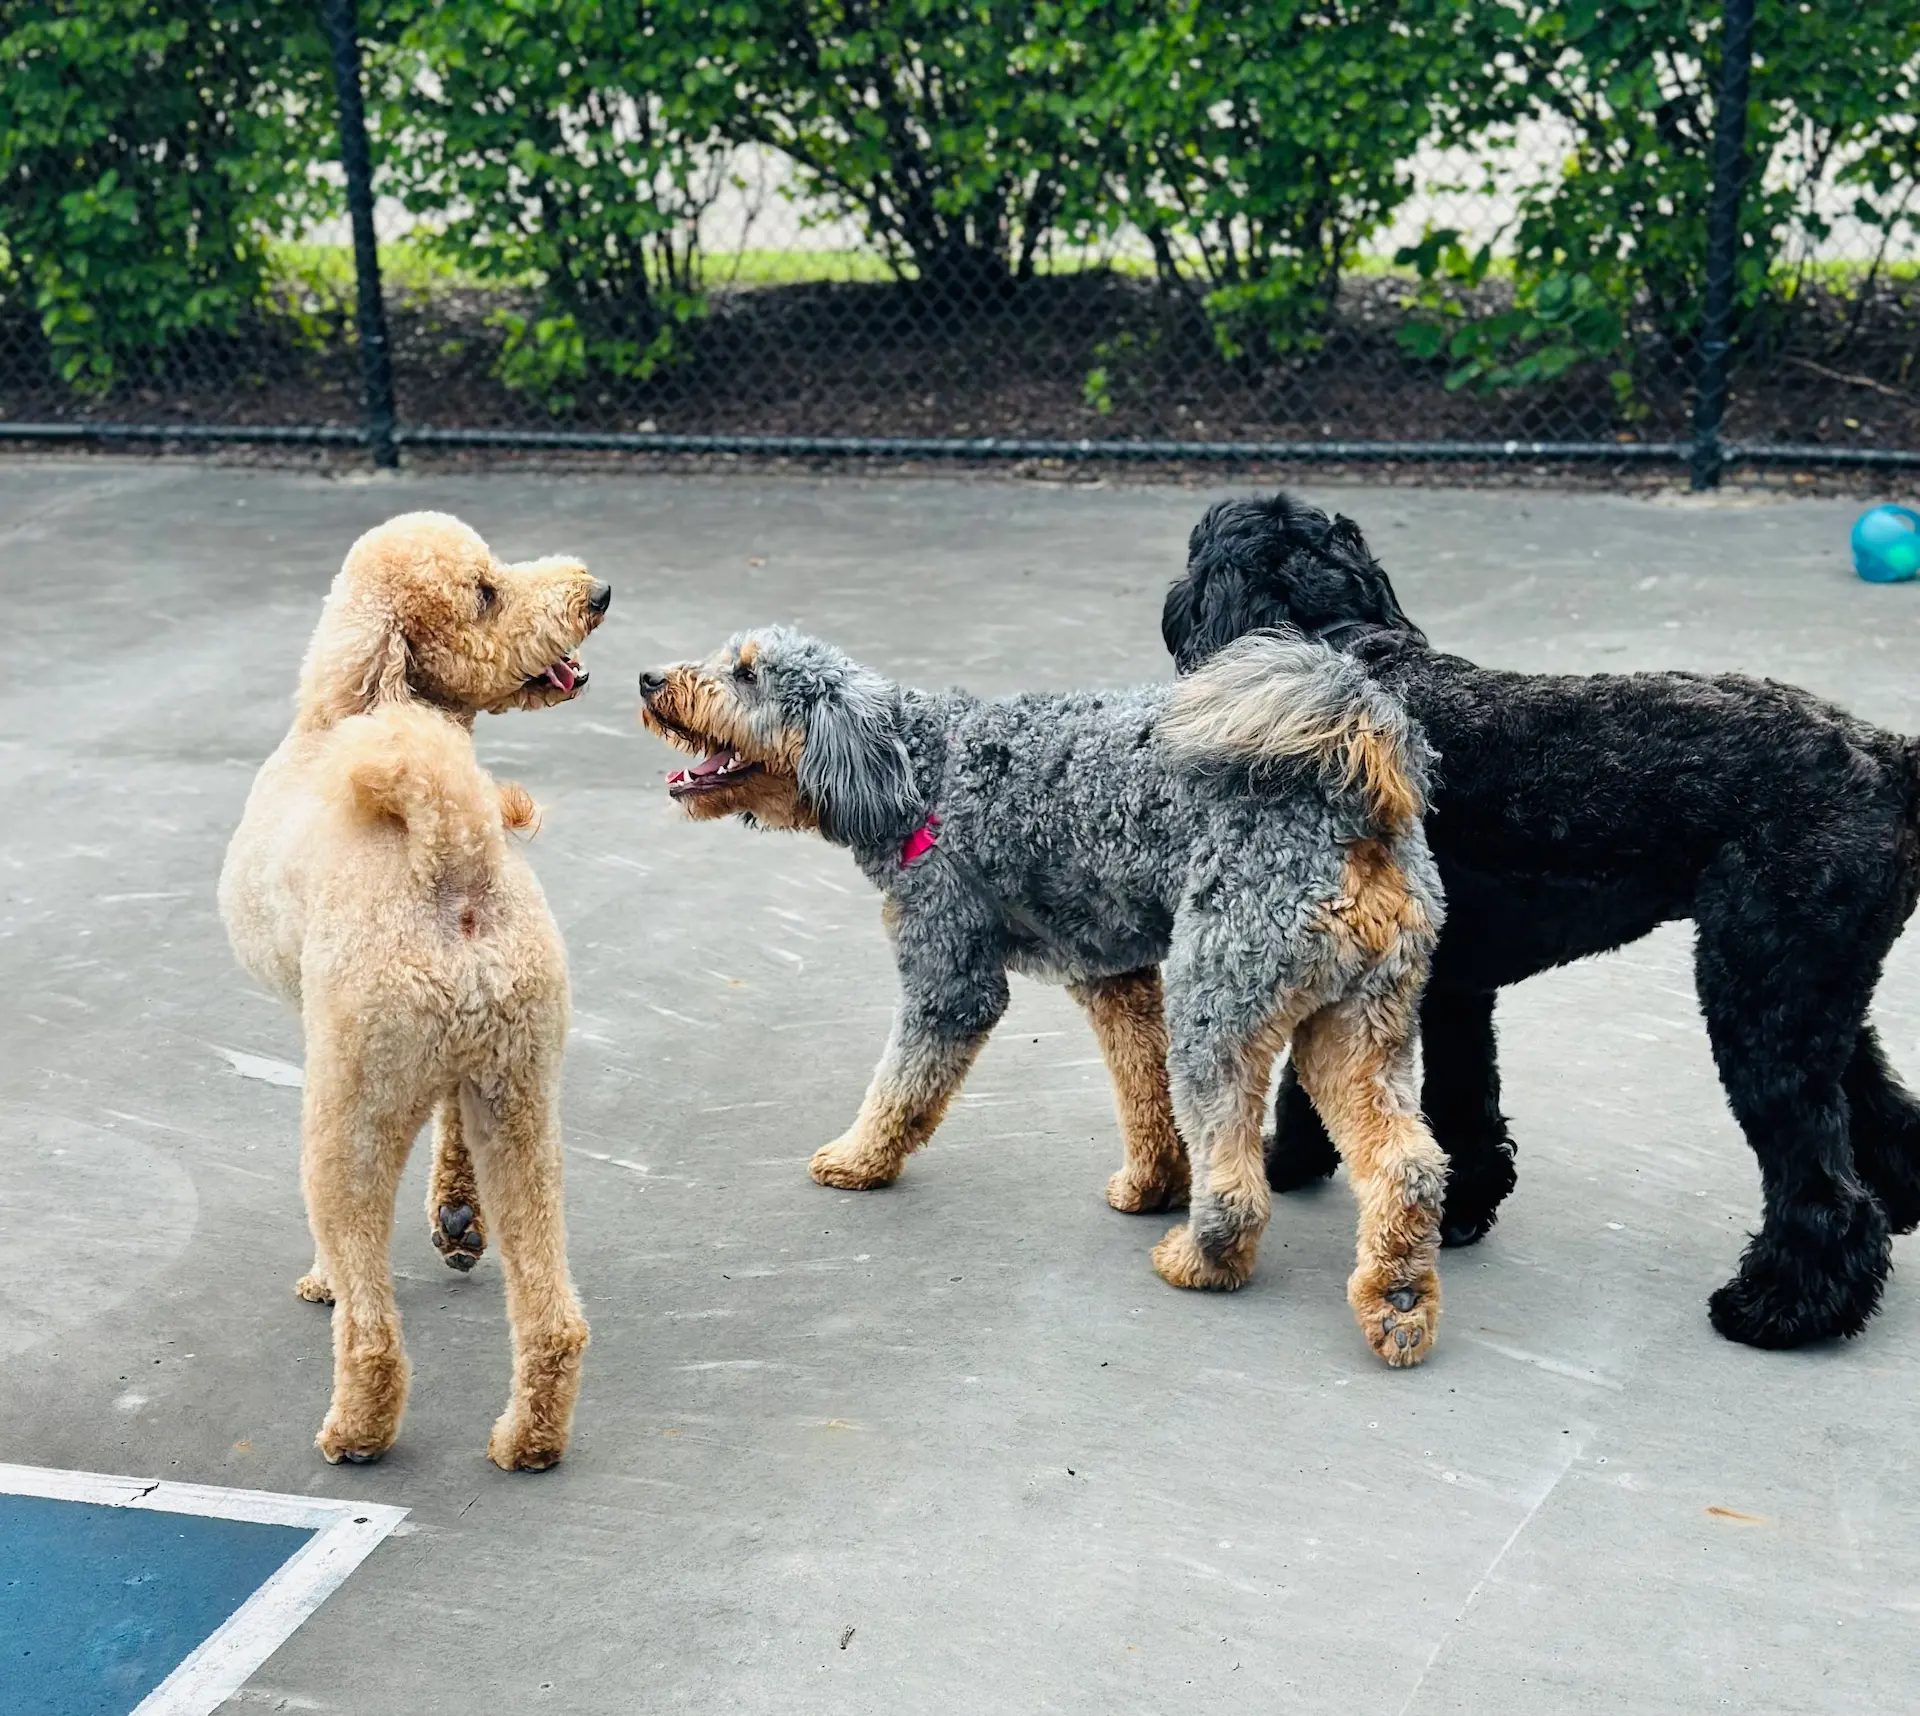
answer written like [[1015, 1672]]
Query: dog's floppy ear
[[357, 660], [854, 768], [1178, 623], [1344, 536], [1344, 533]]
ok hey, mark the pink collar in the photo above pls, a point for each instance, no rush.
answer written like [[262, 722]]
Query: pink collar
[[920, 842]]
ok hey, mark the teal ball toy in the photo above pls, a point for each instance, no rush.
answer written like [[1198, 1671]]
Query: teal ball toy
[[1886, 544]]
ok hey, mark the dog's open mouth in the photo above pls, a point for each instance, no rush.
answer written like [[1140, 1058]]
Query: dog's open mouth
[[726, 767], [565, 676]]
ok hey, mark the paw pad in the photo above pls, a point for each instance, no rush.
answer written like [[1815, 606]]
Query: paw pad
[[457, 1236], [1404, 1335]]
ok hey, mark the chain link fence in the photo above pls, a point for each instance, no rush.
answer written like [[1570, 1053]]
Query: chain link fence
[[786, 305]]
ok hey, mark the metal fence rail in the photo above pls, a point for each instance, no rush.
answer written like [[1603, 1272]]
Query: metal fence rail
[[806, 341]]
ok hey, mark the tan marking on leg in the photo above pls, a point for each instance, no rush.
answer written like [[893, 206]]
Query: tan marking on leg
[[1128, 1016], [1219, 1243], [1355, 1060], [517, 1152], [455, 1224], [1179, 1261], [904, 1104]]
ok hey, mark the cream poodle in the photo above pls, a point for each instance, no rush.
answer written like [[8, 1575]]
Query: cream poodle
[[372, 885]]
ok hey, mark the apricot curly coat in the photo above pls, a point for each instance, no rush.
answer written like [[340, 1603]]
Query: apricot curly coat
[[371, 884]]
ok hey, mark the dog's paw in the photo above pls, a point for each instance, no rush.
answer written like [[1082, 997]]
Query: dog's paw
[[517, 1447], [1814, 1274], [459, 1235], [1400, 1321], [1144, 1196], [1300, 1156], [1461, 1229], [359, 1444], [1179, 1261], [1480, 1176], [315, 1289], [1778, 1312], [850, 1168]]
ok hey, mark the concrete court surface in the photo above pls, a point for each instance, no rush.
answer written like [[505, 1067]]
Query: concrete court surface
[[949, 1447]]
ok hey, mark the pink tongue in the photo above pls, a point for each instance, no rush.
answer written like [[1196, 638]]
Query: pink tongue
[[676, 777], [715, 763], [561, 674]]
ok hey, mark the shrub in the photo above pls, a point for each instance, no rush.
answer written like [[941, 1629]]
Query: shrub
[[564, 145], [954, 133], [151, 150], [1620, 223], [147, 152], [1263, 140]]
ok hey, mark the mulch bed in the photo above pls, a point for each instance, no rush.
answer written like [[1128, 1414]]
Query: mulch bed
[[892, 360]]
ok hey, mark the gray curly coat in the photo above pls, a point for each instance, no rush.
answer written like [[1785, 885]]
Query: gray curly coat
[[1254, 833]]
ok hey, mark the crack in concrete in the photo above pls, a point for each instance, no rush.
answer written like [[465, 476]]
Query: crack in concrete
[[1499, 1555]]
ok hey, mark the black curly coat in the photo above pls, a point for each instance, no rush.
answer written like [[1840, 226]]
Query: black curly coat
[[1572, 815]]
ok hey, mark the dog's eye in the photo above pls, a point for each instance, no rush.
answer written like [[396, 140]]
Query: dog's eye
[[745, 672], [488, 596]]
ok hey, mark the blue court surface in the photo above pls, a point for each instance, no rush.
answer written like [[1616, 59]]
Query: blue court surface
[[121, 1595]]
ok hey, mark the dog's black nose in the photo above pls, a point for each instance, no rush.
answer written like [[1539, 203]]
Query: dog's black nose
[[651, 682], [599, 596]]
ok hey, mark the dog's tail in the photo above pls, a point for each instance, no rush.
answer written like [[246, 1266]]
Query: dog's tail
[[417, 767], [1276, 700]]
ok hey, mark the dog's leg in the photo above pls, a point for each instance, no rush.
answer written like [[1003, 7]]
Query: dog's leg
[[1784, 982], [454, 1221], [1356, 1059], [1129, 1019], [1300, 1154], [953, 990], [1886, 1131], [1461, 1096], [351, 1155], [516, 1147], [917, 1077], [1219, 1086]]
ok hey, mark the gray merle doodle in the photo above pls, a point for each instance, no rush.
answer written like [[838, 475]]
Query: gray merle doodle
[[1573, 814], [1254, 833]]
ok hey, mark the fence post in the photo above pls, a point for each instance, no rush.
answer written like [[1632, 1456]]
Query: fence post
[[376, 361], [1723, 239]]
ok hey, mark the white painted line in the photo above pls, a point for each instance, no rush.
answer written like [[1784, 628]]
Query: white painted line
[[345, 1533], [263, 1067]]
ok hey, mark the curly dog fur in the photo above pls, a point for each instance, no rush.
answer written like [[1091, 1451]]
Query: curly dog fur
[[371, 884], [1253, 834], [1573, 814]]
